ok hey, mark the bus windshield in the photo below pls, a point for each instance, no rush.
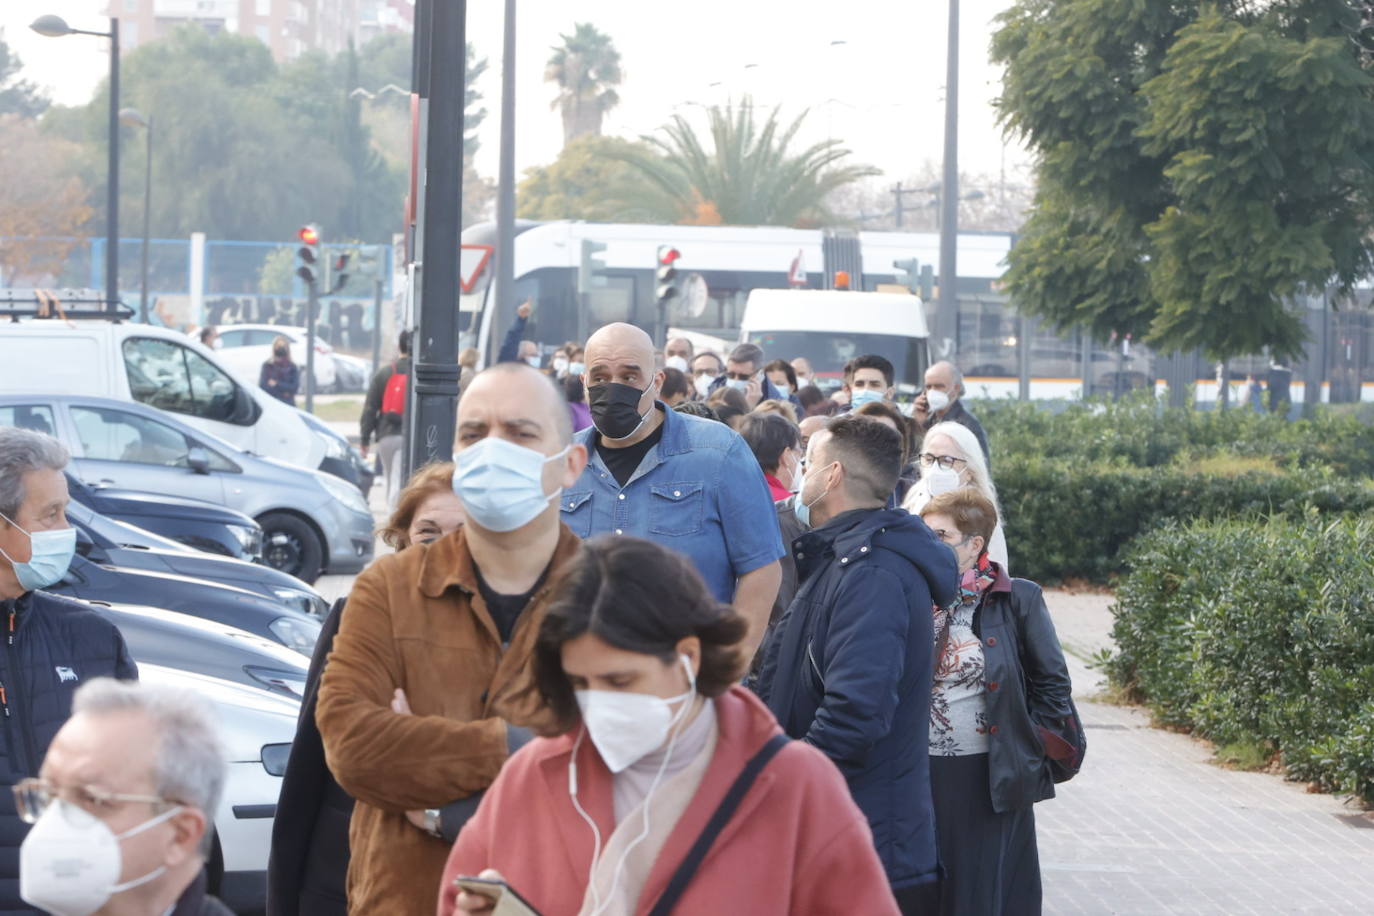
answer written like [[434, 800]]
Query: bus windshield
[[828, 352]]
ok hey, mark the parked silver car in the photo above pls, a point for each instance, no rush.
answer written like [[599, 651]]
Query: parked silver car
[[312, 522]]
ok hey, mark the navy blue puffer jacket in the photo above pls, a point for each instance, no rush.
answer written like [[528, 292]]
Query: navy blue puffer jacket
[[50, 647], [848, 668]]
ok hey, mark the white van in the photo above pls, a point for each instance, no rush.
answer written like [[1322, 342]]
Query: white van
[[158, 367], [831, 327]]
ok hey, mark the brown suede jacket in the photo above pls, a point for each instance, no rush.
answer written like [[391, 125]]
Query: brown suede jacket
[[416, 620]]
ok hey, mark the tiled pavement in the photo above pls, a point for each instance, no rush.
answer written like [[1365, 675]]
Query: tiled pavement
[[1151, 826]]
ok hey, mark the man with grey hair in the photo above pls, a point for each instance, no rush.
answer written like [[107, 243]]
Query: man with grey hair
[[744, 372], [123, 805], [942, 400], [52, 644]]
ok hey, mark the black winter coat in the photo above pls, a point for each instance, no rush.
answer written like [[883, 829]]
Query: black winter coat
[[194, 901], [848, 670], [1027, 685], [308, 865], [52, 646]]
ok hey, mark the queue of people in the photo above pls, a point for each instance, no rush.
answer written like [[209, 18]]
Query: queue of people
[[706, 644]]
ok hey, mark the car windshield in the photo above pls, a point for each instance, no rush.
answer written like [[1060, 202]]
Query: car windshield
[[828, 352]]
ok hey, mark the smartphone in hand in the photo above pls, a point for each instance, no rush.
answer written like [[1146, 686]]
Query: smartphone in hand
[[508, 902]]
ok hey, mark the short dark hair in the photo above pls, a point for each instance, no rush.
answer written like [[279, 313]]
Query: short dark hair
[[810, 396], [783, 366], [748, 353], [728, 413], [573, 390], [403, 342], [768, 435], [871, 361], [640, 597], [869, 452], [697, 409], [890, 412], [675, 382]]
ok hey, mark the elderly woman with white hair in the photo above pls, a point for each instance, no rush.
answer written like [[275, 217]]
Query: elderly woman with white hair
[[950, 458]]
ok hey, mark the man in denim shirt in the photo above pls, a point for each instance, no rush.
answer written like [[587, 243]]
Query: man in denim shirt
[[686, 483]]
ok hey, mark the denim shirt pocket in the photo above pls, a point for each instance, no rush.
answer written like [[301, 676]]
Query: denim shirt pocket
[[576, 509], [676, 509]]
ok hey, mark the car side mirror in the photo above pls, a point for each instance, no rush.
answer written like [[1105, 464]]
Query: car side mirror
[[198, 459]]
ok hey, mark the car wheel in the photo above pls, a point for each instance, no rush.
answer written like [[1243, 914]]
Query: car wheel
[[291, 545]]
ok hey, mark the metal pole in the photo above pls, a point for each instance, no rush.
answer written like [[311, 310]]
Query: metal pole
[[377, 288], [897, 210], [435, 348], [948, 313], [504, 295], [147, 213], [311, 306], [112, 198]]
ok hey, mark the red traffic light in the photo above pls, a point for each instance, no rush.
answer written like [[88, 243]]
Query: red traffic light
[[310, 234], [667, 254]]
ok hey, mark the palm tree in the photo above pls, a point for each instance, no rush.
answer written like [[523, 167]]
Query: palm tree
[[586, 68], [750, 176]]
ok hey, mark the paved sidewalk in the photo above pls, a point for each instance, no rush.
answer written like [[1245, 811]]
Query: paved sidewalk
[[1152, 826]]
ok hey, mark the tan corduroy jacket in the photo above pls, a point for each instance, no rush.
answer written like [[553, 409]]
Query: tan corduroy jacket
[[416, 620]]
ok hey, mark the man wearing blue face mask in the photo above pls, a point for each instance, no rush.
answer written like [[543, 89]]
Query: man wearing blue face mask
[[689, 484], [429, 688], [870, 379], [744, 372], [52, 645]]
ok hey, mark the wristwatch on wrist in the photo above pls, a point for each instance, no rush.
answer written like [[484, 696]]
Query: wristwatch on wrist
[[432, 826]]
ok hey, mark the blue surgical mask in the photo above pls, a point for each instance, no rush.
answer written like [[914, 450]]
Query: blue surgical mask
[[501, 484], [52, 554], [865, 396], [739, 384], [802, 509], [576, 368]]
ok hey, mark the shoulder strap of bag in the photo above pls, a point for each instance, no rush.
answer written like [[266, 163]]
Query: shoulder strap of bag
[[683, 876]]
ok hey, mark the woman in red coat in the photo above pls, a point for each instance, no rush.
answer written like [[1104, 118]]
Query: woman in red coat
[[638, 662]]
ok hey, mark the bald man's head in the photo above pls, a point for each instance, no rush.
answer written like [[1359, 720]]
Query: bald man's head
[[619, 341], [511, 395]]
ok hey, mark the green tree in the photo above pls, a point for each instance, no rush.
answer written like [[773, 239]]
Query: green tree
[[750, 175], [18, 96], [586, 67], [1198, 165], [589, 180]]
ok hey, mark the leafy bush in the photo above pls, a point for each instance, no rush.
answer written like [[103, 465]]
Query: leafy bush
[[1066, 518], [1138, 431], [1258, 633]]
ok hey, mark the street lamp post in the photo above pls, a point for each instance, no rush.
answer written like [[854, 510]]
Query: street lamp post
[[134, 118], [52, 26], [947, 314]]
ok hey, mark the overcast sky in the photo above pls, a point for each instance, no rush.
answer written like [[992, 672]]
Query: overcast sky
[[881, 91]]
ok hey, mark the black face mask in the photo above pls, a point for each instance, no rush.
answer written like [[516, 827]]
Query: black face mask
[[615, 409]]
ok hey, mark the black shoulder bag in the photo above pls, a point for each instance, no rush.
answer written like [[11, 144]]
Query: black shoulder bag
[[683, 876]]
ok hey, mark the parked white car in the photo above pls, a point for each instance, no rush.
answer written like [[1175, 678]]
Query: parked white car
[[158, 367], [258, 728], [245, 347]]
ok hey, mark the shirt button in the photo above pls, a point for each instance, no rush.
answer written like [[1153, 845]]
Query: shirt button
[[844, 560], [572, 505], [992, 640], [992, 686], [863, 550], [677, 493], [621, 496], [619, 531]]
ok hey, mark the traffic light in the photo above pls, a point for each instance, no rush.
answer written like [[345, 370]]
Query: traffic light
[[590, 265], [909, 273], [308, 254], [339, 274], [665, 277]]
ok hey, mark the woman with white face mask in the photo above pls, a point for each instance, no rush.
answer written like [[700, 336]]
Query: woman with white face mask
[[664, 759], [950, 458]]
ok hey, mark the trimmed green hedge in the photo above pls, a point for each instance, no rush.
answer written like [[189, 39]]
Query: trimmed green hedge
[[1066, 519], [1261, 633], [1139, 432]]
